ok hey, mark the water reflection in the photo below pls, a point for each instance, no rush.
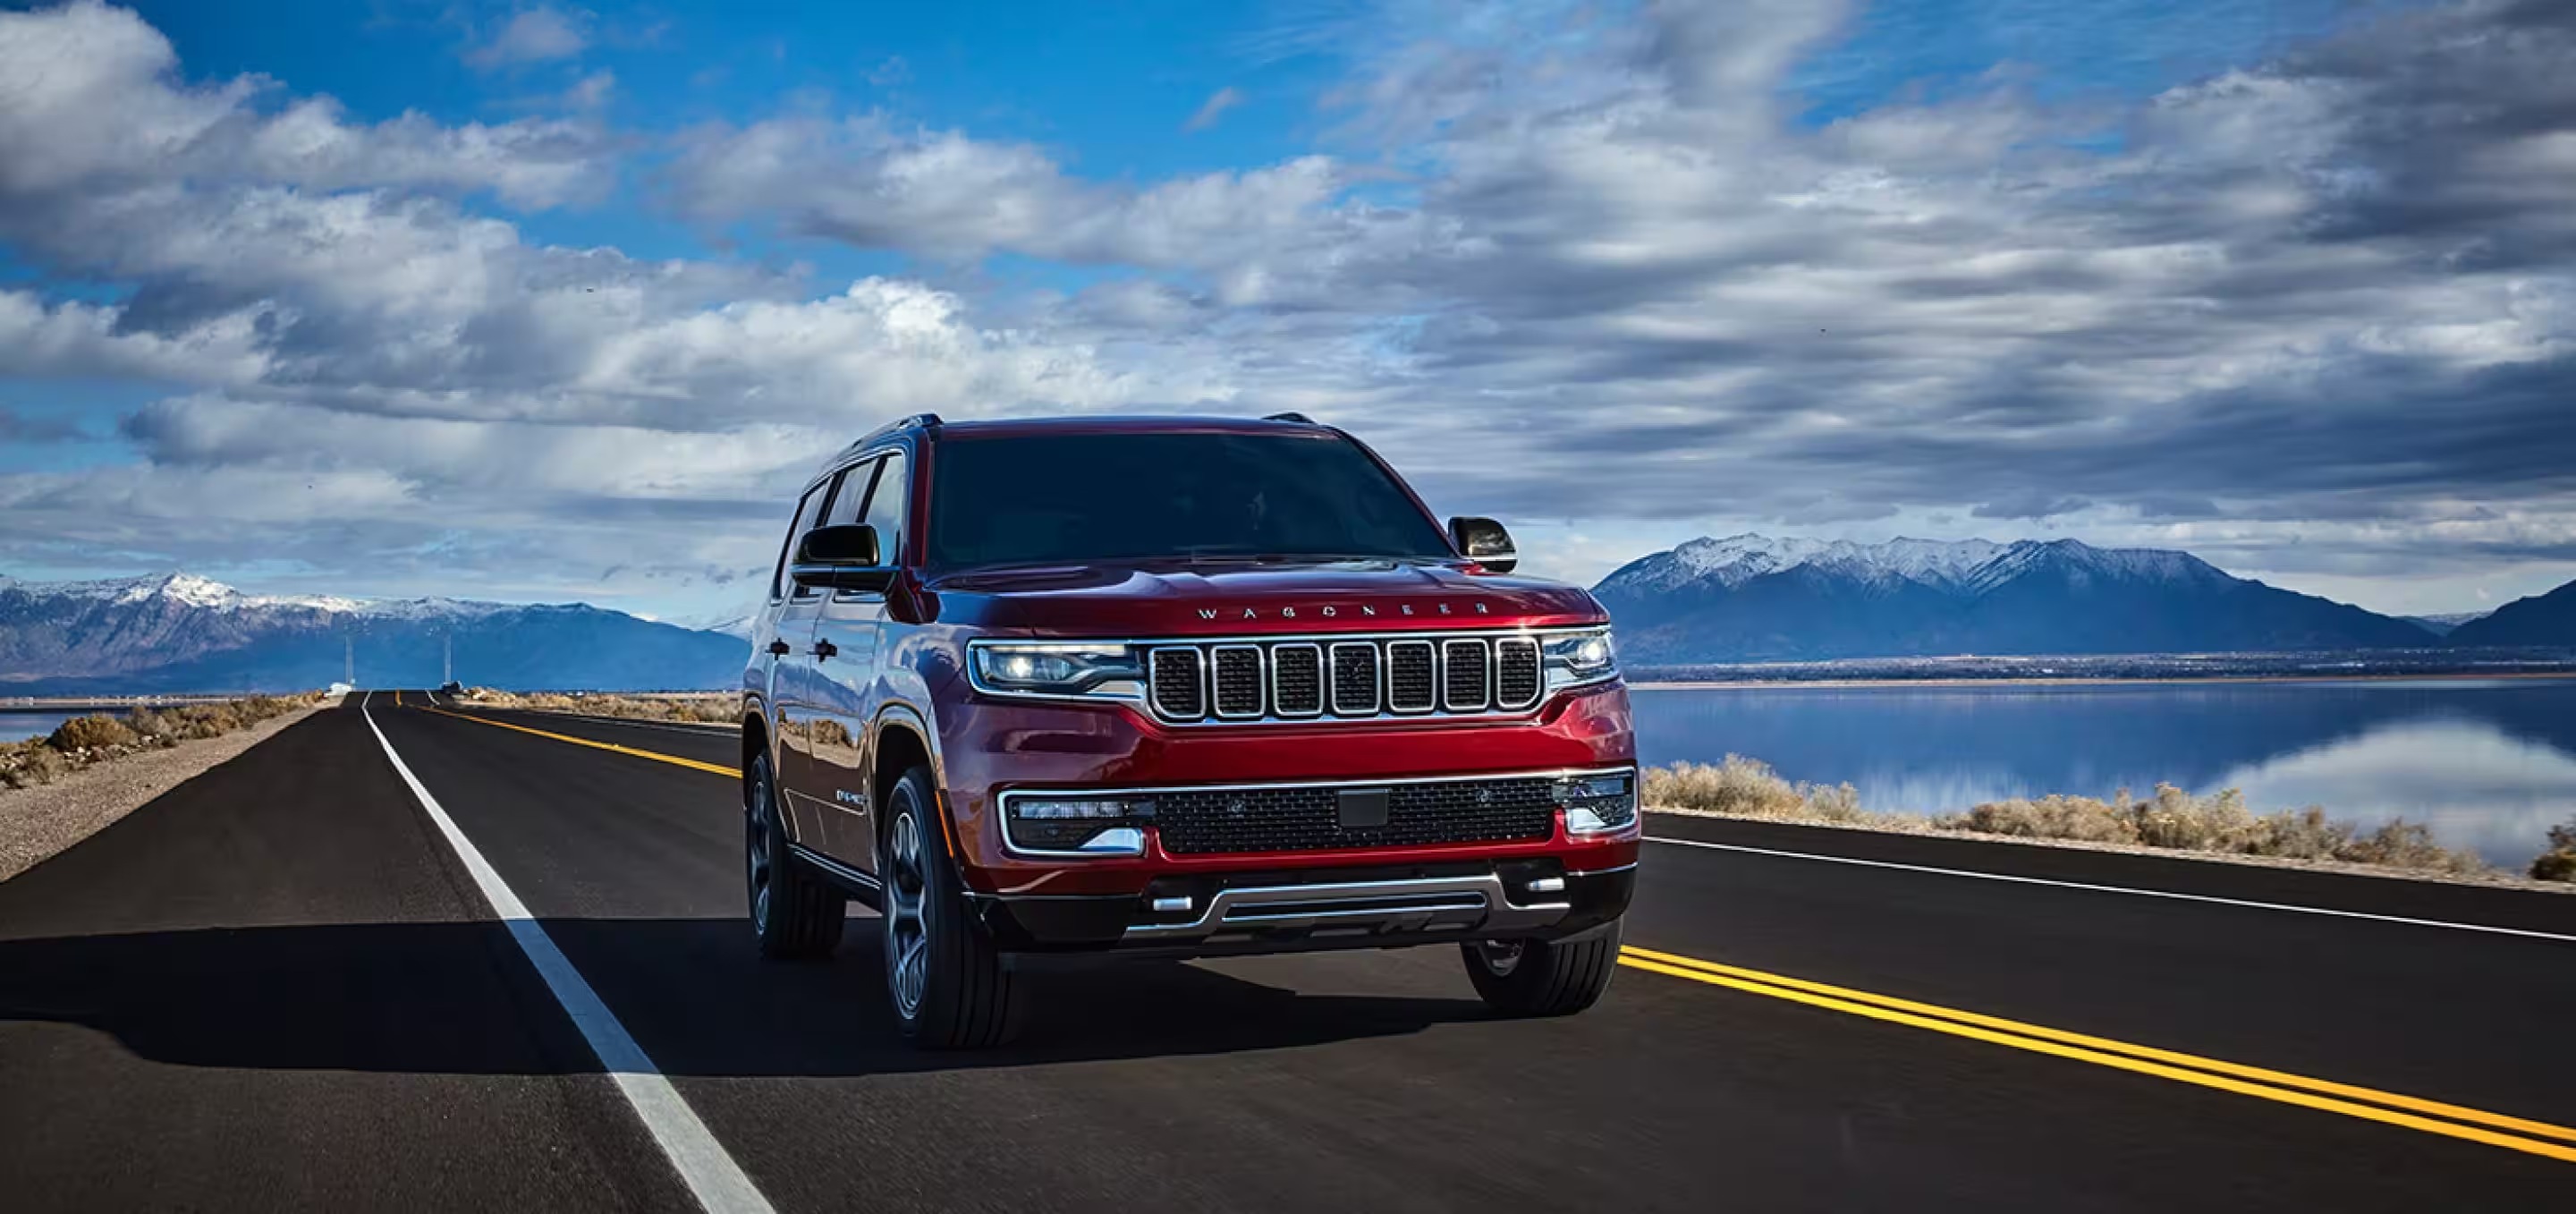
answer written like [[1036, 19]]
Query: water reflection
[[19, 726], [2489, 763]]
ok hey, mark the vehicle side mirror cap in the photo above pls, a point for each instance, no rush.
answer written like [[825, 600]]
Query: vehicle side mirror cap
[[843, 557], [1484, 541]]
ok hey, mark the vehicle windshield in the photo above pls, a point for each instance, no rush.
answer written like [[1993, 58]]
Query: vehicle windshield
[[1082, 497]]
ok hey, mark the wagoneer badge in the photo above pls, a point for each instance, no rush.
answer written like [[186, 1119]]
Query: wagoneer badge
[[1330, 612]]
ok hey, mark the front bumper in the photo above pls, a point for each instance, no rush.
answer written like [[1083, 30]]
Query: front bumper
[[992, 749], [1216, 914]]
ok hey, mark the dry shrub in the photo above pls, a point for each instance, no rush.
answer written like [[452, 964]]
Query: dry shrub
[[2556, 864], [2174, 818], [2302, 834], [97, 731], [154, 724], [1748, 788], [2404, 844], [37, 762], [2055, 816]]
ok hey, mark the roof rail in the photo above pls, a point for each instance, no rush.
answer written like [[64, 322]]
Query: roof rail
[[918, 421], [1290, 417]]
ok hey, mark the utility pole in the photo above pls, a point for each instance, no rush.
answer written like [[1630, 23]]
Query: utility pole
[[348, 659], [446, 660]]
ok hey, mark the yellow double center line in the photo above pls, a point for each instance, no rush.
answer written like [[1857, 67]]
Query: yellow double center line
[[2369, 1104], [654, 755]]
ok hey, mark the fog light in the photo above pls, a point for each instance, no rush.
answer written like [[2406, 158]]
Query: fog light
[[1597, 805], [1043, 811], [1089, 826]]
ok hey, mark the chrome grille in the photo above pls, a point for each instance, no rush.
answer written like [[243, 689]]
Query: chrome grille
[[1180, 691], [1355, 679], [1409, 667], [1297, 680], [1251, 679], [1238, 681], [1466, 684], [1516, 679]]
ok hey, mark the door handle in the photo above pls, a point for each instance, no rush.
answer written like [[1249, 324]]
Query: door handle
[[780, 648], [824, 648]]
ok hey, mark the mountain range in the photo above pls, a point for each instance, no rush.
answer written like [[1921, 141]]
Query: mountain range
[[2542, 619], [1746, 598], [181, 632], [1754, 598]]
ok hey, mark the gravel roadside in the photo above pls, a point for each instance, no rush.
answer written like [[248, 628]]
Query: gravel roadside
[[36, 823]]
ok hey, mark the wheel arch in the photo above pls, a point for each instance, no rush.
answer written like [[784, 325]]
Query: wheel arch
[[903, 740], [755, 744]]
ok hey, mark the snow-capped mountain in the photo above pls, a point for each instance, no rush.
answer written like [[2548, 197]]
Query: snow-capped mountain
[[1738, 559], [1751, 598], [182, 632]]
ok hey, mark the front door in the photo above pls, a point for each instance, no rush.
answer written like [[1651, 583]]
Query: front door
[[849, 681]]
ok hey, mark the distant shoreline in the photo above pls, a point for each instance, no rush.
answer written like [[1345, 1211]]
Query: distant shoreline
[[103, 703], [2098, 680]]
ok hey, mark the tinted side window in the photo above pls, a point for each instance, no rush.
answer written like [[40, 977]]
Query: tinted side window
[[853, 495], [887, 506], [809, 509]]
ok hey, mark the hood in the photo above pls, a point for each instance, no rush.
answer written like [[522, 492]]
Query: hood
[[1199, 598]]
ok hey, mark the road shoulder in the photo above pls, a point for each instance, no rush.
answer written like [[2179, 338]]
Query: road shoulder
[[39, 823]]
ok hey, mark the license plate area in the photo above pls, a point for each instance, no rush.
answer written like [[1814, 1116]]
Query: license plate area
[[1362, 808]]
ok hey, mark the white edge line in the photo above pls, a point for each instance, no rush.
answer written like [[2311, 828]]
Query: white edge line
[[712, 1175], [2116, 889]]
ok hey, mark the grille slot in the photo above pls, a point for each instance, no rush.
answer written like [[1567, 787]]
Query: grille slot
[[1355, 678], [1238, 681], [1180, 686], [1516, 681], [1195, 821], [1297, 680], [1467, 684], [1409, 679]]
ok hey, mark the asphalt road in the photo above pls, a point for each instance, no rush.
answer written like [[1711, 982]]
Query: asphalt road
[[279, 986]]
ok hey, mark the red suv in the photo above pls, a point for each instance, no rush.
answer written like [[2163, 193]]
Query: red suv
[[1174, 687]]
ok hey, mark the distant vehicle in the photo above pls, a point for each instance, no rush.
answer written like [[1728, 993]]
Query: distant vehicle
[[1173, 687], [451, 688]]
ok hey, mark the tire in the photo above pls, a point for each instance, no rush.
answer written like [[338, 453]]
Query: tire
[[1544, 977], [950, 987], [794, 913]]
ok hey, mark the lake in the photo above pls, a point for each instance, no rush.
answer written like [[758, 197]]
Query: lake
[[17, 726], [2489, 764]]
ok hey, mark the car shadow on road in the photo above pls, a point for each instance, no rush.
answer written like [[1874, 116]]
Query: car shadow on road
[[461, 998]]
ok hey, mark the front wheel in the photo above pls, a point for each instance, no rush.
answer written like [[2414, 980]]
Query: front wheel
[[1544, 977], [950, 987]]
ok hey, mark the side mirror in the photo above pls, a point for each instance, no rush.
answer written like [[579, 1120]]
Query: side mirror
[[843, 557], [1484, 541]]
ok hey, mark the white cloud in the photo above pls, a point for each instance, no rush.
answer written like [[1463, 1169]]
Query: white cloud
[[95, 109], [1214, 108], [532, 36], [1585, 268]]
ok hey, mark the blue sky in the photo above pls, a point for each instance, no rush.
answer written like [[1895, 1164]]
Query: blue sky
[[550, 301]]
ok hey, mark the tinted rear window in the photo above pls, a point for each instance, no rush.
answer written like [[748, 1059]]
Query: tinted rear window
[[1080, 497]]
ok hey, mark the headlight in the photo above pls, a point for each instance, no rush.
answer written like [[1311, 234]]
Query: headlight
[[1056, 668], [1582, 656], [1076, 825], [1598, 804]]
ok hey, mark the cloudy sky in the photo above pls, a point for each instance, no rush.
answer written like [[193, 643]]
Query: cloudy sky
[[555, 303]]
